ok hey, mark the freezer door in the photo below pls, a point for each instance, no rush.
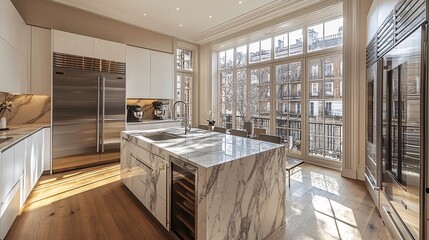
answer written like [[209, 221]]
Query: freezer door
[[74, 115], [112, 118]]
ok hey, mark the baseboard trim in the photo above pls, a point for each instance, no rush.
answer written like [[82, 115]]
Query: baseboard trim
[[361, 173], [349, 173]]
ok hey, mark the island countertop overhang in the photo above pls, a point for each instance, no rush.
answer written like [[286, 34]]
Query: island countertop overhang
[[201, 148]]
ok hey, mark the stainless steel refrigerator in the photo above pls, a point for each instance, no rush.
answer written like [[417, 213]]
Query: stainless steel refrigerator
[[88, 111]]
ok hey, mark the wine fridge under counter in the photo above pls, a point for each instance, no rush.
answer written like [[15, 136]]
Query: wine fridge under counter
[[183, 205]]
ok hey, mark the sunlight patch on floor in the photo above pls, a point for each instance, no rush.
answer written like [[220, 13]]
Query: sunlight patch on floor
[[335, 219], [60, 186], [296, 175], [324, 182]]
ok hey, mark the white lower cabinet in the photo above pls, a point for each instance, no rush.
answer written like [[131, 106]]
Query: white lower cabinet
[[21, 166], [34, 161], [46, 149]]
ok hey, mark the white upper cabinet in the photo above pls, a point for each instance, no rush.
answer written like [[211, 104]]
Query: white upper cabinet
[[149, 74], [80, 45], [14, 50], [73, 44], [138, 72], [41, 61], [161, 75], [109, 50]]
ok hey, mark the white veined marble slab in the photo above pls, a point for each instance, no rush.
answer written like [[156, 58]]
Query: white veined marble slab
[[202, 147]]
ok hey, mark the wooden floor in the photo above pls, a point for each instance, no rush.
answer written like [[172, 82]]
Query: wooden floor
[[94, 204], [322, 205], [85, 205]]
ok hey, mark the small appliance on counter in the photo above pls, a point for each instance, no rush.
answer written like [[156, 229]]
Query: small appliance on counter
[[134, 113], [159, 110]]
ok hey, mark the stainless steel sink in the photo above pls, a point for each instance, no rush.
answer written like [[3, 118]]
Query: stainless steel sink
[[161, 136]]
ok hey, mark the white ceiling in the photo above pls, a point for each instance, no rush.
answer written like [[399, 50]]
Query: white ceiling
[[191, 22]]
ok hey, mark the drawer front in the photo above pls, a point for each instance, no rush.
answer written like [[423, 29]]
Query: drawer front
[[143, 155], [154, 177], [9, 210], [153, 202]]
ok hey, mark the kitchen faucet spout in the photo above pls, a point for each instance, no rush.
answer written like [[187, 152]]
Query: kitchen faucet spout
[[186, 118]]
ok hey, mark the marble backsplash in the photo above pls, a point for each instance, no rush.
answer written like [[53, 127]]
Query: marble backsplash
[[146, 105], [28, 108]]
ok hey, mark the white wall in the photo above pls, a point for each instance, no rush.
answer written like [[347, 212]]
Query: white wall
[[205, 84], [14, 50]]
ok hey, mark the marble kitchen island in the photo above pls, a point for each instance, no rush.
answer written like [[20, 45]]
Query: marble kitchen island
[[240, 182]]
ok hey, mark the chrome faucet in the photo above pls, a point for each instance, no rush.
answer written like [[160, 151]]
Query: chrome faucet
[[186, 119]]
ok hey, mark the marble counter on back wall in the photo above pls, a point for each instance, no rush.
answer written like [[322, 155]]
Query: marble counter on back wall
[[241, 183], [28, 109]]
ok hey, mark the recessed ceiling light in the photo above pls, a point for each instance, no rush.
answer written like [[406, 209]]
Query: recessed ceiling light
[[144, 14], [210, 16], [177, 9], [240, 2], [180, 25]]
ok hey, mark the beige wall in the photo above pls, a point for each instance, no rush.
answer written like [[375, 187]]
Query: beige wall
[[48, 14], [206, 79]]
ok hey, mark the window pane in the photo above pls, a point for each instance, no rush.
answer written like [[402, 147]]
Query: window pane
[[266, 49], [281, 46], [254, 52], [265, 76], [295, 42], [241, 56], [325, 107], [282, 73], [333, 33], [259, 97], [288, 104], [325, 35], [222, 60], [315, 37], [187, 55], [241, 104], [229, 58], [226, 79]]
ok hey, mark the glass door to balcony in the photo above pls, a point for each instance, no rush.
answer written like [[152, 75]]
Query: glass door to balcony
[[325, 107], [259, 97], [288, 104]]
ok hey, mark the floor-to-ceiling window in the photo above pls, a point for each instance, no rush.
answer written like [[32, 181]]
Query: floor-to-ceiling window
[[325, 107], [288, 104], [184, 79], [289, 83]]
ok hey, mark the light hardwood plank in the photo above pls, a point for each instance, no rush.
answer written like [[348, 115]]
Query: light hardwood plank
[[93, 204]]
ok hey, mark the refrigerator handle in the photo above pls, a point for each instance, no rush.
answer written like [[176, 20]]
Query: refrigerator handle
[[103, 102], [98, 114]]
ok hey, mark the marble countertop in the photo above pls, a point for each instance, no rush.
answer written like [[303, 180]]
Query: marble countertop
[[201, 147], [146, 121], [18, 132]]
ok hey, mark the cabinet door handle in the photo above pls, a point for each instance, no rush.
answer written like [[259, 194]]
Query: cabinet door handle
[[142, 162]]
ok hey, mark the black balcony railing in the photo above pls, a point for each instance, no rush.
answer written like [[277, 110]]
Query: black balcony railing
[[325, 138]]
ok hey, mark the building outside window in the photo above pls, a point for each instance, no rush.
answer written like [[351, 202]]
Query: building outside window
[[326, 109], [329, 88], [249, 71], [314, 89]]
